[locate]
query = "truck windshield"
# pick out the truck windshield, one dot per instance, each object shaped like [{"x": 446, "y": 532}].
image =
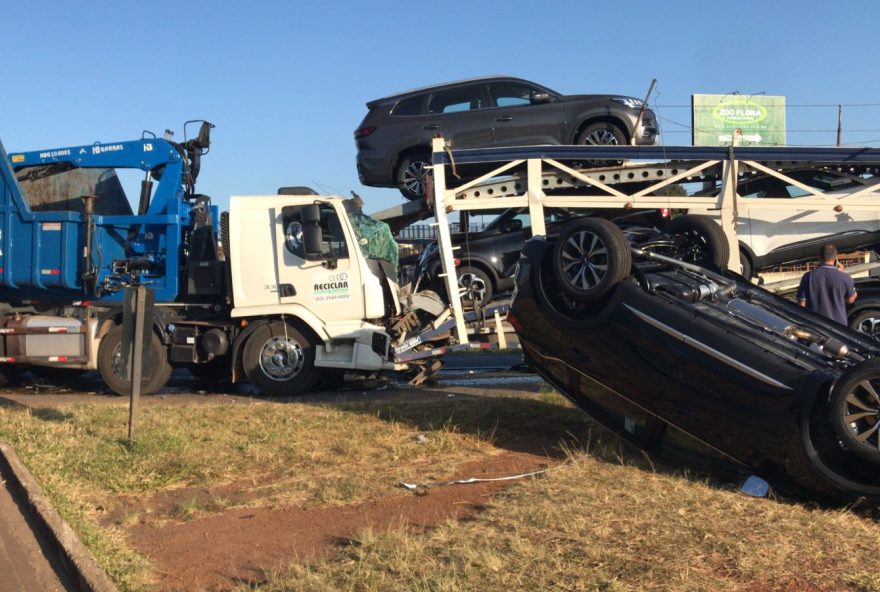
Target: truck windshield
[
  {"x": 60, "y": 188},
  {"x": 375, "y": 237}
]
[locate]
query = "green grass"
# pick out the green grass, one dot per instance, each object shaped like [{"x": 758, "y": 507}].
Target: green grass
[
  {"x": 609, "y": 522},
  {"x": 268, "y": 453}
]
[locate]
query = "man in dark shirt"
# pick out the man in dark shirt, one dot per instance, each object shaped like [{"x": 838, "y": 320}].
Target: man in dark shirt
[{"x": 827, "y": 290}]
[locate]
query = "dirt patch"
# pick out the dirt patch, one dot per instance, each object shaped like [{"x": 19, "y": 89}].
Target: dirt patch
[{"x": 216, "y": 552}]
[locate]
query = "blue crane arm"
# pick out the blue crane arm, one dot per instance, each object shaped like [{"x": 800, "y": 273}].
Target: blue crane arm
[{"x": 137, "y": 154}]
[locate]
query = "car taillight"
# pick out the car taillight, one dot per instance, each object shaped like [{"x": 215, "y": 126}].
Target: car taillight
[
  {"x": 664, "y": 212},
  {"x": 514, "y": 322},
  {"x": 456, "y": 262},
  {"x": 364, "y": 132}
]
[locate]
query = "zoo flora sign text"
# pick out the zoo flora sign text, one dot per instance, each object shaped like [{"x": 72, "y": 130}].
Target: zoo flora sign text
[{"x": 760, "y": 118}]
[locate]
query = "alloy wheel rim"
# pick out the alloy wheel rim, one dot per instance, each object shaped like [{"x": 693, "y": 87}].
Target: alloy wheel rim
[
  {"x": 281, "y": 358},
  {"x": 695, "y": 248},
  {"x": 869, "y": 326},
  {"x": 584, "y": 260},
  {"x": 601, "y": 138},
  {"x": 414, "y": 175},
  {"x": 862, "y": 414},
  {"x": 472, "y": 287}
]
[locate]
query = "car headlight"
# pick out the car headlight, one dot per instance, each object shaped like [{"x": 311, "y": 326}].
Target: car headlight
[{"x": 629, "y": 102}]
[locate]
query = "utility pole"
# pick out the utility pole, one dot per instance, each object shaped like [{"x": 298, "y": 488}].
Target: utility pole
[{"x": 839, "y": 123}]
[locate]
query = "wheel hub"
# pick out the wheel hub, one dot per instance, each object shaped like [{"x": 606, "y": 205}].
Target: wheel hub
[
  {"x": 585, "y": 260},
  {"x": 281, "y": 358}
]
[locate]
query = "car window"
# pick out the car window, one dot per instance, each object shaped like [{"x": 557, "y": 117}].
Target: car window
[
  {"x": 409, "y": 106},
  {"x": 511, "y": 94},
  {"x": 468, "y": 98}
]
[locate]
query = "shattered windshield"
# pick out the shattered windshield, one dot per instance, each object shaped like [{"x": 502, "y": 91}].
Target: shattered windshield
[{"x": 374, "y": 237}]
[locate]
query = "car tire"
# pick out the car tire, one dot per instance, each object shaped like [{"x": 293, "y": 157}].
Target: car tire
[
  {"x": 279, "y": 360},
  {"x": 748, "y": 270},
  {"x": 703, "y": 241},
  {"x": 412, "y": 174},
  {"x": 855, "y": 410},
  {"x": 602, "y": 133},
  {"x": 866, "y": 322},
  {"x": 475, "y": 284},
  {"x": 110, "y": 358},
  {"x": 590, "y": 257}
]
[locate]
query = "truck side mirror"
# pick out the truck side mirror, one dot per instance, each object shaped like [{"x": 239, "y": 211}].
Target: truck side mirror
[
  {"x": 313, "y": 236},
  {"x": 313, "y": 240},
  {"x": 311, "y": 214}
]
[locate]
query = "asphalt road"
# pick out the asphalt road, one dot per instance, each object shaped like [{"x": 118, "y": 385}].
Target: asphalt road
[{"x": 24, "y": 565}]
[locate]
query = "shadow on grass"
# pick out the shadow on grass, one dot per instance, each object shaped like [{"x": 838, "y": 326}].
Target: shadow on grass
[
  {"x": 51, "y": 414},
  {"x": 542, "y": 427}
]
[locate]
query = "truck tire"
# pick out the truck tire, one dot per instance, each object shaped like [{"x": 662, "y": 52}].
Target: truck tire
[
  {"x": 279, "y": 360},
  {"x": 110, "y": 364}
]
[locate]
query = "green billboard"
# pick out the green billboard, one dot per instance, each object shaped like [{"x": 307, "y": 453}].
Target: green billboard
[{"x": 760, "y": 118}]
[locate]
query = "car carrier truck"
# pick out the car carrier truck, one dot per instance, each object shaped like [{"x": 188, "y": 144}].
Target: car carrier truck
[{"x": 277, "y": 290}]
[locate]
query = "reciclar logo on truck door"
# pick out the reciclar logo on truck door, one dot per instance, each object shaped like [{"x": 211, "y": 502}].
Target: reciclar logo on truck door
[{"x": 330, "y": 288}]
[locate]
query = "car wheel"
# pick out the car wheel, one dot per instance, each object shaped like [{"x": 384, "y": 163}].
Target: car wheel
[
  {"x": 279, "y": 360},
  {"x": 602, "y": 133},
  {"x": 412, "y": 175},
  {"x": 110, "y": 364},
  {"x": 748, "y": 270},
  {"x": 867, "y": 322},
  {"x": 702, "y": 241},
  {"x": 475, "y": 284},
  {"x": 855, "y": 410},
  {"x": 590, "y": 257}
]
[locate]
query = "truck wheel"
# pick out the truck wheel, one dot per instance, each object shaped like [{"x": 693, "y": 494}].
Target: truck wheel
[
  {"x": 279, "y": 360},
  {"x": 855, "y": 410},
  {"x": 701, "y": 241},
  {"x": 110, "y": 364},
  {"x": 867, "y": 322},
  {"x": 412, "y": 174},
  {"x": 590, "y": 257}
]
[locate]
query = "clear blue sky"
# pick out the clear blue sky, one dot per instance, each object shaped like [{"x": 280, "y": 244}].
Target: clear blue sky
[{"x": 286, "y": 82}]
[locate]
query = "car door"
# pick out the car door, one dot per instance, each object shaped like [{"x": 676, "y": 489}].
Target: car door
[
  {"x": 848, "y": 229},
  {"x": 459, "y": 114},
  {"x": 518, "y": 121},
  {"x": 772, "y": 232}
]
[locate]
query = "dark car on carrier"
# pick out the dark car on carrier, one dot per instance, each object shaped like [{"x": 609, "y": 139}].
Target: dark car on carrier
[
  {"x": 394, "y": 139},
  {"x": 485, "y": 260},
  {"x": 698, "y": 363}
]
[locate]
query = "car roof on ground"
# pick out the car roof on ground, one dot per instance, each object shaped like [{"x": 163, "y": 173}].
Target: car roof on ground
[{"x": 448, "y": 84}]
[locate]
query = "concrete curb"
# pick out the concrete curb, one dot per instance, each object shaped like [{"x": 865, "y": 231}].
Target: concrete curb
[{"x": 74, "y": 558}]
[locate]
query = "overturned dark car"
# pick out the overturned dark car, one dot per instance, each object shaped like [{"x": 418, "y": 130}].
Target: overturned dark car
[{"x": 675, "y": 357}]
